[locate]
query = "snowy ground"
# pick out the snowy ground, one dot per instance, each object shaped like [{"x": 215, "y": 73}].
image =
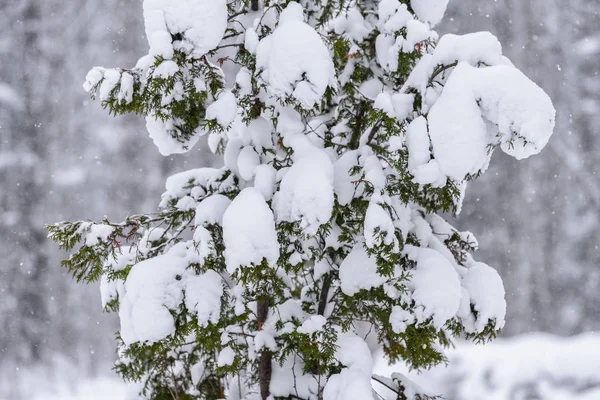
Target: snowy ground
[
  {"x": 528, "y": 367},
  {"x": 99, "y": 389}
]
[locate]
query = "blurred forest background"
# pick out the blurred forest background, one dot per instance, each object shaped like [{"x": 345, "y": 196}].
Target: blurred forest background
[{"x": 63, "y": 157}]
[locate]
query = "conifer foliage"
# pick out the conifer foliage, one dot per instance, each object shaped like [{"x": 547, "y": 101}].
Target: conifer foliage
[{"x": 344, "y": 129}]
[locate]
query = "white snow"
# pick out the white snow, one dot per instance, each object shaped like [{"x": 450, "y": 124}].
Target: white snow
[
  {"x": 429, "y": 174},
  {"x": 264, "y": 180},
  {"x": 111, "y": 80},
  {"x": 126, "y": 89},
  {"x": 395, "y": 105},
  {"x": 416, "y": 32},
  {"x": 226, "y": 357},
  {"x": 177, "y": 184},
  {"x": 383, "y": 44},
  {"x": 555, "y": 368},
  {"x": 93, "y": 77},
  {"x": 378, "y": 222},
  {"x": 419, "y": 77},
  {"x": 186, "y": 203},
  {"x": 359, "y": 271},
  {"x": 232, "y": 153},
  {"x": 486, "y": 294},
  {"x": 251, "y": 40},
  {"x": 472, "y": 48},
  {"x": 417, "y": 143},
  {"x": 224, "y": 110},
  {"x": 306, "y": 191},
  {"x": 435, "y": 286},
  {"x": 98, "y": 233},
  {"x": 312, "y": 325},
  {"x": 289, "y": 379},
  {"x": 201, "y": 22},
  {"x": 110, "y": 289},
  {"x": 259, "y": 131},
  {"x": 151, "y": 290},
  {"x": 475, "y": 104},
  {"x": 343, "y": 182},
  {"x": 122, "y": 258},
  {"x": 102, "y": 388},
  {"x": 383, "y": 102},
  {"x": 211, "y": 209},
  {"x": 203, "y": 296},
  {"x": 113, "y": 288},
  {"x": 248, "y": 160},
  {"x": 403, "y": 105},
  {"x": 354, "y": 381},
  {"x": 293, "y": 50},
  {"x": 393, "y": 16},
  {"x": 166, "y": 69},
  {"x": 400, "y": 319},
  {"x": 373, "y": 170},
  {"x": 352, "y": 25},
  {"x": 159, "y": 132},
  {"x": 264, "y": 339},
  {"x": 550, "y": 367},
  {"x": 431, "y": 11},
  {"x": 321, "y": 268},
  {"x": 249, "y": 231}
]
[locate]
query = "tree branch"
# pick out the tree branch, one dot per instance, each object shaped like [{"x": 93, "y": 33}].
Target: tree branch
[
  {"x": 374, "y": 131},
  {"x": 440, "y": 70}
]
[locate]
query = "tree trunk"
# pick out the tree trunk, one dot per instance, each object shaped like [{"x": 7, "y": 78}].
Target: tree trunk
[{"x": 266, "y": 357}]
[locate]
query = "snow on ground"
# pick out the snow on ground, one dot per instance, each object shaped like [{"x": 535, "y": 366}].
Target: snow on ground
[
  {"x": 61, "y": 380},
  {"x": 533, "y": 366},
  {"x": 99, "y": 389},
  {"x": 527, "y": 367}
]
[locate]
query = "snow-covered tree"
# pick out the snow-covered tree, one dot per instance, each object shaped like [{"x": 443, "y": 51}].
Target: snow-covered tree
[{"x": 345, "y": 129}]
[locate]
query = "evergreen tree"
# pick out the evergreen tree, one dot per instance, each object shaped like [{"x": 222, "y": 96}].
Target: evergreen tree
[{"x": 345, "y": 129}]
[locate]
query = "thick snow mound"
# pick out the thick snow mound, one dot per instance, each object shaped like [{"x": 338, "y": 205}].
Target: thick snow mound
[
  {"x": 344, "y": 182},
  {"x": 203, "y": 296},
  {"x": 177, "y": 185},
  {"x": 202, "y": 24},
  {"x": 152, "y": 289},
  {"x": 378, "y": 222},
  {"x": 295, "y": 60},
  {"x": 486, "y": 293},
  {"x": 480, "y": 108},
  {"x": 224, "y": 110},
  {"x": 435, "y": 287},
  {"x": 473, "y": 48},
  {"x": 160, "y": 133},
  {"x": 306, "y": 191},
  {"x": 354, "y": 381},
  {"x": 431, "y": 11},
  {"x": 211, "y": 210},
  {"x": 359, "y": 271},
  {"x": 249, "y": 231},
  {"x": 417, "y": 143}
]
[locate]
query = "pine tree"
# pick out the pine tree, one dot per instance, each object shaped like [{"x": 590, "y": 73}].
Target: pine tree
[{"x": 345, "y": 129}]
